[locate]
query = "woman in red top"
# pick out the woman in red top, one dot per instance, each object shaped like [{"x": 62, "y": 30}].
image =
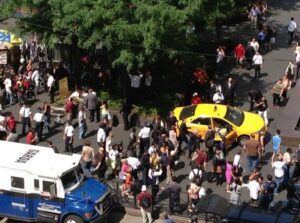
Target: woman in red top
[
  {"x": 195, "y": 99},
  {"x": 11, "y": 123},
  {"x": 239, "y": 53},
  {"x": 31, "y": 137}
]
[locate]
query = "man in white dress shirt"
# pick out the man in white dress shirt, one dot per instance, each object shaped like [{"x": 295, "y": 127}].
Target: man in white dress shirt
[
  {"x": 8, "y": 84},
  {"x": 50, "y": 86},
  {"x": 101, "y": 135},
  {"x": 39, "y": 123},
  {"x": 144, "y": 138},
  {"x": 68, "y": 137},
  {"x": 25, "y": 117},
  {"x": 292, "y": 27},
  {"x": 257, "y": 63}
]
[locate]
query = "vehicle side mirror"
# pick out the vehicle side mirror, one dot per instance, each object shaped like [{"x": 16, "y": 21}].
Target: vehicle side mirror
[{"x": 53, "y": 191}]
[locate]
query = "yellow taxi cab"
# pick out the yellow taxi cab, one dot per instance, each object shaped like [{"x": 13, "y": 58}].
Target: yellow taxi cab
[{"x": 231, "y": 124}]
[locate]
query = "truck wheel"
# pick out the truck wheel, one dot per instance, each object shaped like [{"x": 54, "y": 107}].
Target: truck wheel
[
  {"x": 243, "y": 139},
  {"x": 73, "y": 219}
]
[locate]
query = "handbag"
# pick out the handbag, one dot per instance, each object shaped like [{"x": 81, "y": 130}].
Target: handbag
[{"x": 122, "y": 176}]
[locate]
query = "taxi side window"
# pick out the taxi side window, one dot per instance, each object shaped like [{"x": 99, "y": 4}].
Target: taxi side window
[
  {"x": 46, "y": 186},
  {"x": 201, "y": 121},
  {"x": 221, "y": 123},
  {"x": 17, "y": 182}
]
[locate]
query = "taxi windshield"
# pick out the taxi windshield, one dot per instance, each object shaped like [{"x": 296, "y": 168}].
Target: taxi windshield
[
  {"x": 72, "y": 178},
  {"x": 234, "y": 116}
]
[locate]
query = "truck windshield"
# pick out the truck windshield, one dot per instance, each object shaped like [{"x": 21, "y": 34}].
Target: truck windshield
[
  {"x": 234, "y": 116},
  {"x": 72, "y": 178}
]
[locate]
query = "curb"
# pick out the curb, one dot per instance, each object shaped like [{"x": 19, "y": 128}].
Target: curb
[{"x": 137, "y": 213}]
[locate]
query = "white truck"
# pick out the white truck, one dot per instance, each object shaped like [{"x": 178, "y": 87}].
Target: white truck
[{"x": 38, "y": 185}]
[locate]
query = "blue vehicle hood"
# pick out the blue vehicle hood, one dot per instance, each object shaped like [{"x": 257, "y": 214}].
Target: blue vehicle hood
[{"x": 92, "y": 189}]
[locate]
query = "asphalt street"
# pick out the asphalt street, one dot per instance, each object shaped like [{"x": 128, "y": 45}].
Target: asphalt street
[{"x": 273, "y": 68}]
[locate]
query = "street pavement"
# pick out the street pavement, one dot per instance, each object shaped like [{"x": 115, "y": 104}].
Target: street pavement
[{"x": 273, "y": 68}]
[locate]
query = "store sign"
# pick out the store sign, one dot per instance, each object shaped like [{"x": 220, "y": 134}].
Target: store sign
[{"x": 3, "y": 57}]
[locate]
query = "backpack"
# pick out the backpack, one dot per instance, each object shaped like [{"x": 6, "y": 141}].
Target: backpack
[
  {"x": 145, "y": 202},
  {"x": 145, "y": 161},
  {"x": 197, "y": 176}
]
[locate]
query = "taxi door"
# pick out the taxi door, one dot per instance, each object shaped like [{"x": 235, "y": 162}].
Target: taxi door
[
  {"x": 200, "y": 125},
  {"x": 230, "y": 138},
  {"x": 224, "y": 130}
]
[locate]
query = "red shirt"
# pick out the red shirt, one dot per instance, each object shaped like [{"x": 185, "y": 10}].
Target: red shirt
[
  {"x": 201, "y": 158},
  {"x": 69, "y": 106},
  {"x": 30, "y": 136},
  {"x": 141, "y": 195},
  {"x": 239, "y": 51},
  {"x": 11, "y": 123},
  {"x": 196, "y": 100},
  {"x": 26, "y": 84}
]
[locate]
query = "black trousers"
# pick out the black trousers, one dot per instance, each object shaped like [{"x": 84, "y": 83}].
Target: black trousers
[
  {"x": 291, "y": 34},
  {"x": 144, "y": 144},
  {"x": 154, "y": 191},
  {"x": 39, "y": 129},
  {"x": 297, "y": 71},
  {"x": 68, "y": 144},
  {"x": 92, "y": 114},
  {"x": 256, "y": 70},
  {"x": 51, "y": 96},
  {"x": 276, "y": 99},
  {"x": 25, "y": 122},
  {"x": 125, "y": 120},
  {"x": 174, "y": 202}
]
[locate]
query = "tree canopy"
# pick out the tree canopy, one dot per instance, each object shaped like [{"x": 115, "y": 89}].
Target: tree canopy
[{"x": 134, "y": 32}]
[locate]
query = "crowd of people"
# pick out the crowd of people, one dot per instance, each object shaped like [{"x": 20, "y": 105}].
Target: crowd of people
[{"x": 149, "y": 160}]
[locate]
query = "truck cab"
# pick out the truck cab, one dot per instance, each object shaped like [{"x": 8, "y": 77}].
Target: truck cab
[{"x": 38, "y": 185}]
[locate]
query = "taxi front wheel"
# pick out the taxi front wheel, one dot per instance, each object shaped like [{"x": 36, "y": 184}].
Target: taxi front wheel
[
  {"x": 73, "y": 219},
  {"x": 242, "y": 140}
]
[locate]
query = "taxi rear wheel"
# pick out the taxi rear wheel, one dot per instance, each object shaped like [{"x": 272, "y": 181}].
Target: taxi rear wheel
[
  {"x": 73, "y": 219},
  {"x": 242, "y": 139}
]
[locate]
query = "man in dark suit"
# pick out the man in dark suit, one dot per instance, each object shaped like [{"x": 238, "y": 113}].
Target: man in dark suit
[
  {"x": 229, "y": 92},
  {"x": 91, "y": 103}
]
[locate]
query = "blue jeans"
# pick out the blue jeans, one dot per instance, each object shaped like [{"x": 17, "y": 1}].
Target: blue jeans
[
  {"x": 82, "y": 130},
  {"x": 278, "y": 183},
  {"x": 86, "y": 165},
  {"x": 47, "y": 122},
  {"x": 252, "y": 162},
  {"x": 9, "y": 98}
]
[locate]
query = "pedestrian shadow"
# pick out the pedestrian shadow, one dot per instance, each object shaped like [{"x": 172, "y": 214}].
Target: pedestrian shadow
[
  {"x": 77, "y": 149},
  {"x": 116, "y": 216},
  {"x": 263, "y": 75},
  {"x": 270, "y": 120},
  {"x": 284, "y": 102},
  {"x": 179, "y": 166},
  {"x": 181, "y": 177},
  {"x": 48, "y": 135},
  {"x": 268, "y": 156},
  {"x": 7, "y": 113},
  {"x": 91, "y": 133}
]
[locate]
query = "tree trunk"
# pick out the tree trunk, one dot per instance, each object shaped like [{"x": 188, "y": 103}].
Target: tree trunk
[{"x": 218, "y": 31}]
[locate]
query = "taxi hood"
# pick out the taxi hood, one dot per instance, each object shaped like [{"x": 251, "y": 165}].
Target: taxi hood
[{"x": 252, "y": 122}]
